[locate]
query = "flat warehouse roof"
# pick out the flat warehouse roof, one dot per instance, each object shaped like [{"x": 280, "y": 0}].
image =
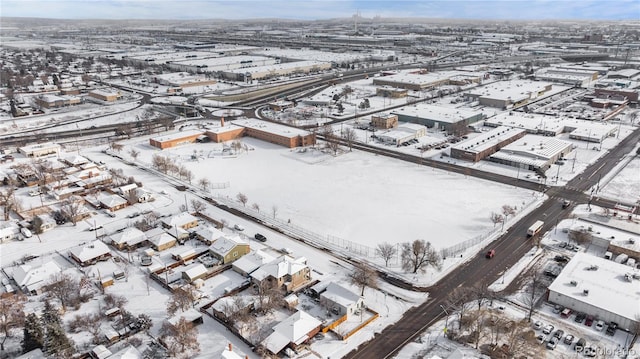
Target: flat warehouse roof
[
  {"x": 436, "y": 113},
  {"x": 178, "y": 135},
  {"x": 608, "y": 289},
  {"x": 276, "y": 129}
]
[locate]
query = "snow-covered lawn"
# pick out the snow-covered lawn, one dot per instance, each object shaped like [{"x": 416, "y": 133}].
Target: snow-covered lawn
[{"x": 625, "y": 185}]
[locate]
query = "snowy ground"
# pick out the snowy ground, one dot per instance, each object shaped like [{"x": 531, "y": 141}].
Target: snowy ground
[{"x": 623, "y": 183}]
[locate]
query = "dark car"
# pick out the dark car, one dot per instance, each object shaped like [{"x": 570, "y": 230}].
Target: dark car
[
  {"x": 588, "y": 321},
  {"x": 580, "y": 317},
  {"x": 611, "y": 328},
  {"x": 260, "y": 237},
  {"x": 561, "y": 259}
]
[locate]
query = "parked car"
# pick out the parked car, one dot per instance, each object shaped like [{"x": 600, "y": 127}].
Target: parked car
[
  {"x": 558, "y": 334},
  {"x": 611, "y": 329},
  {"x": 580, "y": 317},
  {"x": 566, "y": 313},
  {"x": 580, "y": 345},
  {"x": 557, "y": 309},
  {"x": 569, "y": 339},
  {"x": 561, "y": 258},
  {"x": 260, "y": 237},
  {"x": 490, "y": 253},
  {"x": 599, "y": 325},
  {"x": 588, "y": 321},
  {"x": 548, "y": 329},
  {"x": 541, "y": 338},
  {"x": 238, "y": 227},
  {"x": 537, "y": 325},
  {"x": 551, "y": 344}
]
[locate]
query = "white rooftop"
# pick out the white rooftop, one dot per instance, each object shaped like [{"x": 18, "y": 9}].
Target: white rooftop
[
  {"x": 35, "y": 277},
  {"x": 488, "y": 139},
  {"x": 339, "y": 294},
  {"x": 275, "y": 67},
  {"x": 607, "y": 287},
  {"x": 541, "y": 148},
  {"x": 291, "y": 330},
  {"x": 178, "y": 135},
  {"x": 90, "y": 251},
  {"x": 513, "y": 90},
  {"x": 222, "y": 246},
  {"x": 436, "y": 113},
  {"x": 281, "y": 130}
]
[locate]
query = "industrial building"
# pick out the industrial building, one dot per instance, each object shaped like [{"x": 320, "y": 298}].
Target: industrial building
[
  {"x": 227, "y": 63},
  {"x": 181, "y": 80},
  {"x": 413, "y": 81},
  {"x": 486, "y": 144},
  {"x": 53, "y": 101},
  {"x": 40, "y": 149},
  {"x": 175, "y": 139},
  {"x": 573, "y": 77},
  {"x": 508, "y": 93},
  {"x": 385, "y": 120},
  {"x": 275, "y": 133},
  {"x": 532, "y": 154},
  {"x": 442, "y": 118},
  {"x": 403, "y": 133},
  {"x": 607, "y": 290},
  {"x": 248, "y": 74},
  {"x": 105, "y": 95}
]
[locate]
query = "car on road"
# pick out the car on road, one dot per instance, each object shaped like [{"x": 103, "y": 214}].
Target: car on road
[
  {"x": 566, "y": 204},
  {"x": 490, "y": 253},
  {"x": 238, "y": 227},
  {"x": 599, "y": 325},
  {"x": 95, "y": 228},
  {"x": 569, "y": 339},
  {"x": 548, "y": 329},
  {"x": 260, "y": 237},
  {"x": 537, "y": 325}
]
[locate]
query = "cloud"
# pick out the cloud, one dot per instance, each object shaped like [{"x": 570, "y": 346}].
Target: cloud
[{"x": 322, "y": 9}]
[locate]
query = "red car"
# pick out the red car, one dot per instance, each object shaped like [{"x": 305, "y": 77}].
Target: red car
[
  {"x": 588, "y": 321},
  {"x": 491, "y": 253}
]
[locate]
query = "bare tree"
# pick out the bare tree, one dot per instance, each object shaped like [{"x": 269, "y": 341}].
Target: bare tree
[
  {"x": 496, "y": 218},
  {"x": 242, "y": 198},
  {"x": 198, "y": 206},
  {"x": 386, "y": 251},
  {"x": 331, "y": 142},
  {"x": 181, "y": 338},
  {"x": 134, "y": 154},
  {"x": 256, "y": 207},
  {"x": 274, "y": 211},
  {"x": 350, "y": 136},
  {"x": 269, "y": 296},
  {"x": 181, "y": 299},
  {"x": 11, "y": 316},
  {"x": 72, "y": 208},
  {"x": 419, "y": 255},
  {"x": 520, "y": 340},
  {"x": 62, "y": 287},
  {"x": 459, "y": 301},
  {"x": 117, "y": 147},
  {"x": 7, "y": 201},
  {"x": 581, "y": 237},
  {"x": 204, "y": 183},
  {"x": 363, "y": 276},
  {"x": 535, "y": 289},
  {"x": 114, "y": 301}
]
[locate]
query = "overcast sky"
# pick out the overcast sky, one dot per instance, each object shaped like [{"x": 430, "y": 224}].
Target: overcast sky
[{"x": 322, "y": 9}]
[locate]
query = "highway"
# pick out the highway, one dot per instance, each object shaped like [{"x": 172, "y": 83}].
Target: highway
[{"x": 510, "y": 248}]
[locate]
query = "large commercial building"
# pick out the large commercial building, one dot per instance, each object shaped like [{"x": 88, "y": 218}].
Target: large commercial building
[
  {"x": 508, "y": 93},
  {"x": 573, "y": 77},
  {"x": 442, "y": 118},
  {"x": 532, "y": 154},
  {"x": 40, "y": 149},
  {"x": 53, "y": 101},
  {"x": 599, "y": 287},
  {"x": 105, "y": 95},
  {"x": 227, "y": 63},
  {"x": 486, "y": 144},
  {"x": 275, "y": 133},
  {"x": 274, "y": 70}
]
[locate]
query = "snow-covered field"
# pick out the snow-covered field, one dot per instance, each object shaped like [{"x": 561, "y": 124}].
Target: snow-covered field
[
  {"x": 356, "y": 196},
  {"x": 625, "y": 185}
]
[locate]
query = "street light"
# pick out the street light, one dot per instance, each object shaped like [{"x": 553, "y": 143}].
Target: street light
[{"x": 446, "y": 322}]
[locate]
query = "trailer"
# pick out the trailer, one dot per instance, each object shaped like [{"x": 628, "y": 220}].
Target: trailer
[{"x": 535, "y": 228}]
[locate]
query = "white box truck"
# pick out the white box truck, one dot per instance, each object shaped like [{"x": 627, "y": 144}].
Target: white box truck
[{"x": 535, "y": 228}]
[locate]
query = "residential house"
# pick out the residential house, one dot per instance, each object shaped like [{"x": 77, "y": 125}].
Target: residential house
[
  {"x": 228, "y": 249},
  {"x": 340, "y": 300},
  {"x": 292, "y": 332},
  {"x": 284, "y": 272},
  {"x": 90, "y": 253},
  {"x": 194, "y": 272},
  {"x": 75, "y": 160},
  {"x": 128, "y": 238},
  {"x": 30, "y": 279},
  {"x": 252, "y": 261},
  {"x": 161, "y": 241},
  {"x": 112, "y": 202},
  {"x": 209, "y": 234},
  {"x": 184, "y": 220},
  {"x": 8, "y": 230}
]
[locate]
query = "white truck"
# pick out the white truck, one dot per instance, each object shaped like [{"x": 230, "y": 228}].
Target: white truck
[{"x": 535, "y": 228}]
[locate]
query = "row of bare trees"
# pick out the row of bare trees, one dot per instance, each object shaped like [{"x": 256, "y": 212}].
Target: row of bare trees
[
  {"x": 507, "y": 211},
  {"x": 416, "y": 256},
  {"x": 168, "y": 166}
]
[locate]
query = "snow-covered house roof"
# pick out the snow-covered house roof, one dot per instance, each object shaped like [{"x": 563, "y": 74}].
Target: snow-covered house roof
[
  {"x": 89, "y": 252},
  {"x": 33, "y": 278},
  {"x": 75, "y": 160},
  {"x": 209, "y": 234},
  {"x": 224, "y": 245},
  {"x": 294, "y": 329},
  {"x": 179, "y": 220},
  {"x": 340, "y": 295},
  {"x": 195, "y": 271},
  {"x": 252, "y": 261},
  {"x": 126, "y": 188},
  {"x": 283, "y": 265},
  {"x": 191, "y": 315},
  {"x": 129, "y": 352},
  {"x": 162, "y": 239},
  {"x": 130, "y": 236},
  {"x": 111, "y": 200}
]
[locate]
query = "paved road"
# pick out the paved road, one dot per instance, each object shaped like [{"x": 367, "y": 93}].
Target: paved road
[{"x": 510, "y": 248}]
